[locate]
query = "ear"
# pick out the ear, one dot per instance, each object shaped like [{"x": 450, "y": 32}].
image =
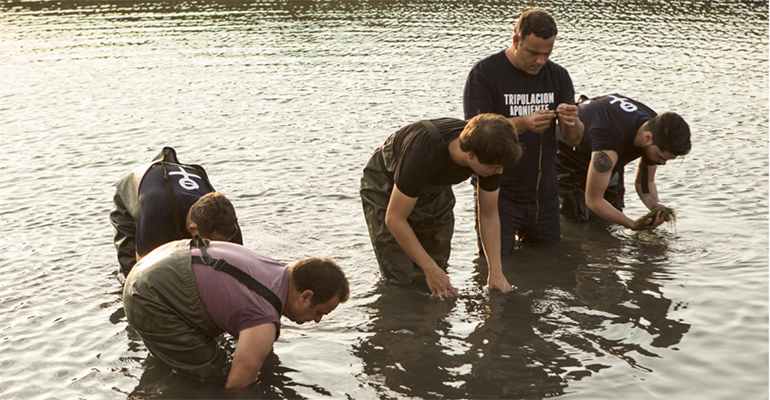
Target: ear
[
  {"x": 516, "y": 41},
  {"x": 306, "y": 296},
  {"x": 647, "y": 138},
  {"x": 193, "y": 229},
  {"x": 471, "y": 156}
]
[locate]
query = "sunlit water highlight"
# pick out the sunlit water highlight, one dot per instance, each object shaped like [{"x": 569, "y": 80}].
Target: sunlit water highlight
[{"x": 283, "y": 102}]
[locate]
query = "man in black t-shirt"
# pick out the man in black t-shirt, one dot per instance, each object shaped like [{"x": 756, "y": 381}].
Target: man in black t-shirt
[
  {"x": 408, "y": 200},
  {"x": 163, "y": 201},
  {"x": 521, "y": 83},
  {"x": 618, "y": 130}
]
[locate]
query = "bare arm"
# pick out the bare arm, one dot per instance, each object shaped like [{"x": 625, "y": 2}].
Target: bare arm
[
  {"x": 569, "y": 124},
  {"x": 599, "y": 175},
  {"x": 489, "y": 226},
  {"x": 399, "y": 208},
  {"x": 650, "y": 198},
  {"x": 254, "y": 344}
]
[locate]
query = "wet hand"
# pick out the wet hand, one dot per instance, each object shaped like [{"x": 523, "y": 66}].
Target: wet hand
[
  {"x": 498, "y": 281},
  {"x": 567, "y": 113},
  {"x": 438, "y": 282},
  {"x": 650, "y": 223}
]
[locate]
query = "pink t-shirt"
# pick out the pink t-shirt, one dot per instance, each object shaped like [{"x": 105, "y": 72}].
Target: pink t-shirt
[{"x": 230, "y": 304}]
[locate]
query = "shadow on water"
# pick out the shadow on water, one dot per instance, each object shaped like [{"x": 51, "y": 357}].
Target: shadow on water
[
  {"x": 159, "y": 381},
  {"x": 592, "y": 302}
]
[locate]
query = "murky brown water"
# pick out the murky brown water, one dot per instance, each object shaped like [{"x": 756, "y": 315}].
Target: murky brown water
[{"x": 283, "y": 103}]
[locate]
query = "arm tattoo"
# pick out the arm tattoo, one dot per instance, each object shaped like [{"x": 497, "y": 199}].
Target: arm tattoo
[{"x": 602, "y": 162}]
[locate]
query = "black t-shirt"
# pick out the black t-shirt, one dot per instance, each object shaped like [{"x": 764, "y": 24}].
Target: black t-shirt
[
  {"x": 422, "y": 163},
  {"x": 155, "y": 223},
  {"x": 495, "y": 85},
  {"x": 601, "y": 133}
]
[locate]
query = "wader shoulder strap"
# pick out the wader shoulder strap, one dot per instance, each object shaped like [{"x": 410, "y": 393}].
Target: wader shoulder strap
[
  {"x": 435, "y": 135},
  {"x": 242, "y": 277}
]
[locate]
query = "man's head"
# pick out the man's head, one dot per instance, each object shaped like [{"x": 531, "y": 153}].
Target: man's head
[
  {"x": 533, "y": 39},
  {"x": 317, "y": 286},
  {"x": 212, "y": 217},
  {"x": 491, "y": 141},
  {"x": 666, "y": 136}
]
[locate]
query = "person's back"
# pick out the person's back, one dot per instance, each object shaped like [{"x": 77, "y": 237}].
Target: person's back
[
  {"x": 152, "y": 203},
  {"x": 184, "y": 294},
  {"x": 231, "y": 305}
]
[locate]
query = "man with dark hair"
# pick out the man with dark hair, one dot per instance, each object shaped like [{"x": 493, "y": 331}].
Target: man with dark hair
[
  {"x": 618, "y": 130},
  {"x": 406, "y": 191},
  {"x": 153, "y": 205},
  {"x": 535, "y": 94},
  {"x": 182, "y": 296},
  {"x": 213, "y": 217}
]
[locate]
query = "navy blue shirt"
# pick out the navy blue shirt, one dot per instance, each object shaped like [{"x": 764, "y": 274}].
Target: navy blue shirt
[
  {"x": 602, "y": 133},
  {"x": 495, "y": 85},
  {"x": 155, "y": 223}
]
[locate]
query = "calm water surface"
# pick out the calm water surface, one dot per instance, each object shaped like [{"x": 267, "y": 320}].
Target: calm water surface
[{"x": 283, "y": 102}]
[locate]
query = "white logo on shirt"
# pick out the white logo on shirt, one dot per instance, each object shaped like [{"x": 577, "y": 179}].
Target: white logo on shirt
[
  {"x": 186, "y": 182},
  {"x": 625, "y": 104}
]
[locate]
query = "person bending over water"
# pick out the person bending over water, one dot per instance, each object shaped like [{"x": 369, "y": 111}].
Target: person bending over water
[
  {"x": 408, "y": 200},
  {"x": 618, "y": 130},
  {"x": 184, "y": 294},
  {"x": 154, "y": 204}
]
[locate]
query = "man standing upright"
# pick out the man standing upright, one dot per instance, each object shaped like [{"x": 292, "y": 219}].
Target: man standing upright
[{"x": 535, "y": 94}]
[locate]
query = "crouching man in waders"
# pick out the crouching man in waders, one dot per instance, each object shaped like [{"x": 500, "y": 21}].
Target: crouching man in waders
[
  {"x": 183, "y": 295},
  {"x": 153, "y": 205},
  {"x": 618, "y": 130},
  {"x": 408, "y": 200}
]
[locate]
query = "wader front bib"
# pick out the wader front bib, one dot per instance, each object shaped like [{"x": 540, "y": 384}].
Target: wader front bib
[
  {"x": 432, "y": 218},
  {"x": 162, "y": 303}
]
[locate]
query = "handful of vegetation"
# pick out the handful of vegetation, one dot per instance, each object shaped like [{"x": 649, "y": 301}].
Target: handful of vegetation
[{"x": 669, "y": 215}]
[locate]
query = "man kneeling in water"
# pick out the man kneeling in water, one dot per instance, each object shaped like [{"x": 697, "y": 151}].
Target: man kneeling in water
[{"x": 186, "y": 293}]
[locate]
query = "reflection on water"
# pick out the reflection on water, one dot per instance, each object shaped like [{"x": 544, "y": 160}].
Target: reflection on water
[
  {"x": 579, "y": 308},
  {"x": 283, "y": 101}
]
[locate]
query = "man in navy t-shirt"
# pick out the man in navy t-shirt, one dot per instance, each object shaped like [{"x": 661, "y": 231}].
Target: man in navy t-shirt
[
  {"x": 164, "y": 201},
  {"x": 618, "y": 130},
  {"x": 535, "y": 94}
]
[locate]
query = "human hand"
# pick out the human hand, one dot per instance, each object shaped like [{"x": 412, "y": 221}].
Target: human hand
[
  {"x": 648, "y": 224},
  {"x": 498, "y": 281},
  {"x": 567, "y": 114},
  {"x": 438, "y": 283},
  {"x": 538, "y": 121}
]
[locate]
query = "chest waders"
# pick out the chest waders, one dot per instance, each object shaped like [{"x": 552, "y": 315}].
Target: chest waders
[
  {"x": 163, "y": 305},
  {"x": 431, "y": 219},
  {"x": 126, "y": 206}
]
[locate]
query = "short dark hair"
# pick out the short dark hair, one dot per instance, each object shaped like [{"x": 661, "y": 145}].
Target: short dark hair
[
  {"x": 214, "y": 213},
  {"x": 670, "y": 133},
  {"x": 492, "y": 139},
  {"x": 535, "y": 21},
  {"x": 323, "y": 276}
]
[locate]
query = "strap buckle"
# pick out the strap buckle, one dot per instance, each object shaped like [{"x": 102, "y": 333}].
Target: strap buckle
[{"x": 218, "y": 264}]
